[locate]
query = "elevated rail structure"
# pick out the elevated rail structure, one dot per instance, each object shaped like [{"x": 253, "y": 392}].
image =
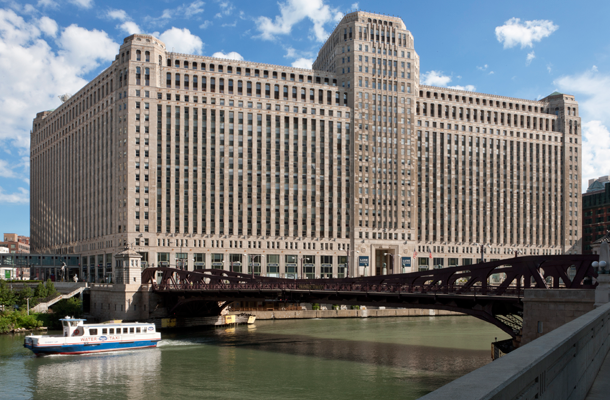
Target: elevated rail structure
[{"x": 465, "y": 289}]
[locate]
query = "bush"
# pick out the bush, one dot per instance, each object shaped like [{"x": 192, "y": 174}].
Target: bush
[
  {"x": 70, "y": 307},
  {"x": 40, "y": 291},
  {"x": 315, "y": 306},
  {"x": 7, "y": 296},
  {"x": 11, "y": 320},
  {"x": 50, "y": 288},
  {"x": 335, "y": 306},
  {"x": 355, "y": 307}
]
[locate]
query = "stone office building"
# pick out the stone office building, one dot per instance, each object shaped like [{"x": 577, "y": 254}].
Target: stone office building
[{"x": 351, "y": 168}]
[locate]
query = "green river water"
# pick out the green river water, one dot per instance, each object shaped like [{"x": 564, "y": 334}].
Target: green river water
[{"x": 393, "y": 358}]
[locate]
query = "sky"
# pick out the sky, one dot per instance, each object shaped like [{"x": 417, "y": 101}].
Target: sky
[{"x": 522, "y": 49}]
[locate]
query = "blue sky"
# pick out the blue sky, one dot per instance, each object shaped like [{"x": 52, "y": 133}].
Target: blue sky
[{"x": 522, "y": 49}]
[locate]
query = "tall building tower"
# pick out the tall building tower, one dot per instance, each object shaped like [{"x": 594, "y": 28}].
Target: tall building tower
[{"x": 351, "y": 168}]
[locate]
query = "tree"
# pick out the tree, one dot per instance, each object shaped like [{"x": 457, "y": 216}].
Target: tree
[
  {"x": 7, "y": 296},
  {"x": 50, "y": 288},
  {"x": 41, "y": 291},
  {"x": 23, "y": 295}
]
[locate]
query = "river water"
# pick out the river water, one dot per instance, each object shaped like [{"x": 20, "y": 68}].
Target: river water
[{"x": 295, "y": 359}]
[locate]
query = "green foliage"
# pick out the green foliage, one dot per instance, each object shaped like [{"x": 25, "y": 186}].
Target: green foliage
[
  {"x": 70, "y": 307},
  {"x": 355, "y": 307},
  {"x": 10, "y": 320},
  {"x": 50, "y": 288},
  {"x": 315, "y": 306},
  {"x": 335, "y": 306},
  {"x": 7, "y": 296},
  {"x": 41, "y": 291},
  {"x": 23, "y": 295}
]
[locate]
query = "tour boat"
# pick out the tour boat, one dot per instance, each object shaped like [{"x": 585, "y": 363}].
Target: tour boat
[{"x": 79, "y": 338}]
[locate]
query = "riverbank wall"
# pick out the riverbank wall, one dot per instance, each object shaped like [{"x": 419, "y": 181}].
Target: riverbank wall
[{"x": 368, "y": 313}]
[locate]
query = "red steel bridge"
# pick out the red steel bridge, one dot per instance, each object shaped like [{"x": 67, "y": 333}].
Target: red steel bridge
[{"x": 491, "y": 291}]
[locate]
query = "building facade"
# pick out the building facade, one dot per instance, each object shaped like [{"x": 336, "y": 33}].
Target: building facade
[
  {"x": 16, "y": 243},
  {"x": 596, "y": 213},
  {"x": 351, "y": 168}
]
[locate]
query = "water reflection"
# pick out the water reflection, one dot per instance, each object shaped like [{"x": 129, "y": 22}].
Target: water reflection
[
  {"x": 131, "y": 374},
  {"x": 338, "y": 359}
]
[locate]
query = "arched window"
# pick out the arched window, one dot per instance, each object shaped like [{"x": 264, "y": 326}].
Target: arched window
[
  {"x": 195, "y": 82},
  {"x": 169, "y": 62},
  {"x": 177, "y": 81},
  {"x": 186, "y": 64},
  {"x": 177, "y": 64},
  {"x": 203, "y": 84},
  {"x": 267, "y": 91},
  {"x": 230, "y": 86},
  {"x": 147, "y": 76},
  {"x": 556, "y": 110},
  {"x": 168, "y": 80},
  {"x": 221, "y": 85},
  {"x": 203, "y": 66},
  {"x": 160, "y": 61},
  {"x": 186, "y": 81},
  {"x": 285, "y": 92},
  {"x": 212, "y": 85},
  {"x": 194, "y": 65},
  {"x": 211, "y": 67},
  {"x": 240, "y": 87},
  {"x": 276, "y": 92},
  {"x": 147, "y": 55},
  {"x": 137, "y": 75},
  {"x": 138, "y": 55}
]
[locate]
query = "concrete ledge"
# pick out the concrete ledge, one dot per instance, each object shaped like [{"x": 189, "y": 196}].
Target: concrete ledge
[
  {"x": 310, "y": 314},
  {"x": 560, "y": 365}
]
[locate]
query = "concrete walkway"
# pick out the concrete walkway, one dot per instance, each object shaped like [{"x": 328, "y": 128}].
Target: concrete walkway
[{"x": 601, "y": 386}]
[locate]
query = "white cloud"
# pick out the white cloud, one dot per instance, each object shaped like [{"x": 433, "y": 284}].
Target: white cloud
[
  {"x": 231, "y": 55},
  {"x": 206, "y": 24},
  {"x": 592, "y": 91},
  {"x": 483, "y": 68},
  {"x": 305, "y": 63},
  {"x": 33, "y": 74},
  {"x": 6, "y": 171},
  {"x": 47, "y": 3},
  {"x": 468, "y": 88},
  {"x": 121, "y": 15},
  {"x": 184, "y": 11},
  {"x": 181, "y": 41},
  {"x": 22, "y": 196},
  {"x": 514, "y": 33},
  {"x": 294, "y": 11},
  {"x": 436, "y": 78},
  {"x": 226, "y": 7},
  {"x": 48, "y": 26},
  {"x": 355, "y": 6},
  {"x": 130, "y": 27},
  {"x": 231, "y": 25},
  {"x": 530, "y": 57},
  {"x": 595, "y": 151},
  {"x": 82, "y": 3}
]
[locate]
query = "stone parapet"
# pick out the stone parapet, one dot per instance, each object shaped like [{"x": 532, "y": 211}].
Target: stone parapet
[
  {"x": 545, "y": 310},
  {"x": 310, "y": 314}
]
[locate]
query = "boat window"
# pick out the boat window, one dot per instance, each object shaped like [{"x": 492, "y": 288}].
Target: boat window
[
  {"x": 138, "y": 329},
  {"x": 104, "y": 331},
  {"x": 74, "y": 323},
  {"x": 93, "y": 331},
  {"x": 125, "y": 330},
  {"x": 131, "y": 330},
  {"x": 111, "y": 330}
]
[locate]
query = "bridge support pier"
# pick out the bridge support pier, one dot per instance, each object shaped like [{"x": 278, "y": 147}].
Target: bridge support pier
[
  {"x": 130, "y": 302},
  {"x": 545, "y": 310}
]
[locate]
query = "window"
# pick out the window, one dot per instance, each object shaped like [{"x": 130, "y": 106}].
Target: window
[{"x": 92, "y": 331}]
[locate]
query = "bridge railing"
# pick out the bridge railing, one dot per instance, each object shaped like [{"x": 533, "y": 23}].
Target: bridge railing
[{"x": 518, "y": 274}]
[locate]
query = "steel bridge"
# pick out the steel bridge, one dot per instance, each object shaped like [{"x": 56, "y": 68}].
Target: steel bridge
[{"x": 465, "y": 289}]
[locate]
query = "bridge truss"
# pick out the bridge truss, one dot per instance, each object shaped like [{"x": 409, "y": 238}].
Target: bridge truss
[{"x": 490, "y": 291}]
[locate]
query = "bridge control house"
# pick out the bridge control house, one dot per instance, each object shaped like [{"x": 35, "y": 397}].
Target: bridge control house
[{"x": 351, "y": 168}]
